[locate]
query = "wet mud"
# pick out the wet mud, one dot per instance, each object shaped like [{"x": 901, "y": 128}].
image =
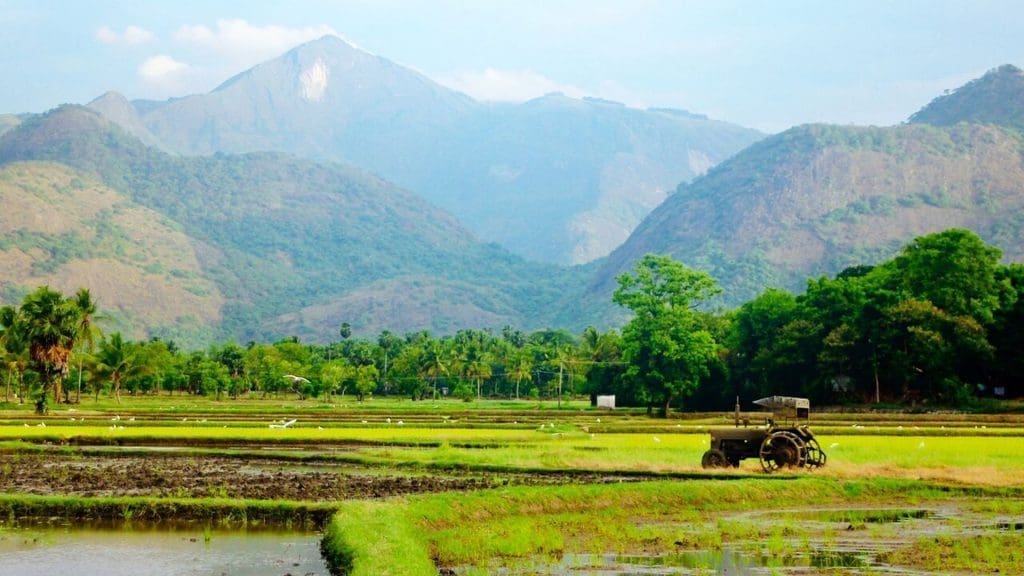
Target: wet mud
[{"x": 169, "y": 475}]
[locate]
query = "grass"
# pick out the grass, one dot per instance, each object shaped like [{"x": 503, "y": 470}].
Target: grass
[
  {"x": 985, "y": 553},
  {"x": 513, "y": 525},
  {"x": 886, "y": 464},
  {"x": 964, "y": 458},
  {"x": 224, "y": 511}
]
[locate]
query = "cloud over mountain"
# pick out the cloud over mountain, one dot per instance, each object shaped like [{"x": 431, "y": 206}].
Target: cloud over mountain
[
  {"x": 245, "y": 43},
  {"x": 161, "y": 69}
]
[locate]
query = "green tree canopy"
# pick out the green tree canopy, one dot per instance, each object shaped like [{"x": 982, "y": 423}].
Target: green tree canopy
[{"x": 666, "y": 349}]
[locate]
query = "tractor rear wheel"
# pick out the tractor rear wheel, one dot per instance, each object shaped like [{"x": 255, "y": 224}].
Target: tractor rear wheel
[
  {"x": 815, "y": 455},
  {"x": 714, "y": 459}
]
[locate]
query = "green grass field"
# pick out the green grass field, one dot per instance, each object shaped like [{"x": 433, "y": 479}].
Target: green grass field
[{"x": 668, "y": 505}]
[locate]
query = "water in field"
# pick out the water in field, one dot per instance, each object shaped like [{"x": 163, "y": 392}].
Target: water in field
[{"x": 158, "y": 552}]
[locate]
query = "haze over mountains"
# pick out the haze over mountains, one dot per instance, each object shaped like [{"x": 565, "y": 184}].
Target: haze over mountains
[
  {"x": 555, "y": 179},
  {"x": 268, "y": 207}
]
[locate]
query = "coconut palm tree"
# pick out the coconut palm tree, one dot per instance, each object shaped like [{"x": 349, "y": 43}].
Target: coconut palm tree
[
  {"x": 12, "y": 350},
  {"x": 115, "y": 361},
  {"x": 434, "y": 362},
  {"x": 87, "y": 331},
  {"x": 520, "y": 367}
]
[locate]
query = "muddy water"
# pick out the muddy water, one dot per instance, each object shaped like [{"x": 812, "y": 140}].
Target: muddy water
[{"x": 158, "y": 552}]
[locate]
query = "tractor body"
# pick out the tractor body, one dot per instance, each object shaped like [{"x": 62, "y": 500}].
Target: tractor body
[{"x": 786, "y": 444}]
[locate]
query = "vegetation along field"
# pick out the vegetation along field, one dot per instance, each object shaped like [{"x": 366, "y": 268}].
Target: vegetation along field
[{"x": 484, "y": 453}]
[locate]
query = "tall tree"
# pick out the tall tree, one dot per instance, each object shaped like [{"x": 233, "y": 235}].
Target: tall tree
[
  {"x": 50, "y": 323},
  {"x": 520, "y": 367},
  {"x": 115, "y": 360},
  {"x": 667, "y": 351},
  {"x": 88, "y": 331},
  {"x": 954, "y": 270},
  {"x": 14, "y": 350}
]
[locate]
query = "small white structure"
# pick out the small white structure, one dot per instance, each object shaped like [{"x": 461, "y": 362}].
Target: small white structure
[{"x": 606, "y": 402}]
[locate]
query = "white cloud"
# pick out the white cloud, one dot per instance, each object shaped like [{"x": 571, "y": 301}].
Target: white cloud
[
  {"x": 161, "y": 69},
  {"x": 245, "y": 43},
  {"x": 496, "y": 85},
  {"x": 132, "y": 35}
]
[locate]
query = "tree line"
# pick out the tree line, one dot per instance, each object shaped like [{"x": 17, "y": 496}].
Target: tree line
[{"x": 939, "y": 323}]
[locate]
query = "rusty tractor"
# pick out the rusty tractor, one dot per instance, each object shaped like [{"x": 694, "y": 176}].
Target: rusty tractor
[{"x": 784, "y": 441}]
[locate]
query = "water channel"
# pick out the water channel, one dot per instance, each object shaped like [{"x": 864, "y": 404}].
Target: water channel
[{"x": 158, "y": 551}]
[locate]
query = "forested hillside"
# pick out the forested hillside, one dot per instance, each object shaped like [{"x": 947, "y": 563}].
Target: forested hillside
[
  {"x": 995, "y": 98},
  {"x": 818, "y": 198},
  {"x": 288, "y": 246}
]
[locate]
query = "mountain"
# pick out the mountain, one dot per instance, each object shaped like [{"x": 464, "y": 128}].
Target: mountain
[
  {"x": 116, "y": 108},
  {"x": 66, "y": 229},
  {"x": 8, "y": 121},
  {"x": 818, "y": 198},
  {"x": 555, "y": 179},
  {"x": 252, "y": 246},
  {"x": 995, "y": 98}
]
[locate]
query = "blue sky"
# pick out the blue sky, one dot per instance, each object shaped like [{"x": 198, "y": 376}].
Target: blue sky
[{"x": 768, "y": 65}]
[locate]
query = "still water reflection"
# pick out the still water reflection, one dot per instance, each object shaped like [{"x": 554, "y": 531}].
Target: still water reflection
[{"x": 163, "y": 552}]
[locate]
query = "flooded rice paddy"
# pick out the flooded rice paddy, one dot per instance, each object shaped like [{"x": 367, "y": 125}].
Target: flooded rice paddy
[
  {"x": 158, "y": 551},
  {"x": 840, "y": 541}
]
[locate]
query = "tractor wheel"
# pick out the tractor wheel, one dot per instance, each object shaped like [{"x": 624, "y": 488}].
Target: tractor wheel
[
  {"x": 714, "y": 459},
  {"x": 782, "y": 449},
  {"x": 815, "y": 455}
]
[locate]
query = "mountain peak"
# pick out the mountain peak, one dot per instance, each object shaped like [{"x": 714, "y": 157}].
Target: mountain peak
[
  {"x": 116, "y": 108},
  {"x": 995, "y": 98}
]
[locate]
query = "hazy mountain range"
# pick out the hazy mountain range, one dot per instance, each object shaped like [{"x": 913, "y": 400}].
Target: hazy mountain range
[
  {"x": 255, "y": 246},
  {"x": 555, "y": 179},
  {"x": 183, "y": 230}
]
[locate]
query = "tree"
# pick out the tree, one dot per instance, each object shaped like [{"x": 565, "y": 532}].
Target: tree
[
  {"x": 390, "y": 344},
  {"x": 667, "y": 351},
  {"x": 232, "y": 357},
  {"x": 365, "y": 380},
  {"x": 604, "y": 376},
  {"x": 473, "y": 357},
  {"x": 434, "y": 362},
  {"x": 1007, "y": 334},
  {"x": 334, "y": 375},
  {"x": 50, "y": 325},
  {"x": 87, "y": 330},
  {"x": 520, "y": 367},
  {"x": 755, "y": 330},
  {"x": 115, "y": 360},
  {"x": 14, "y": 350},
  {"x": 954, "y": 270}
]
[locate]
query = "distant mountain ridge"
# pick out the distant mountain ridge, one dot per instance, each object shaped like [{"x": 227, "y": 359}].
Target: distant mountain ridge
[
  {"x": 276, "y": 242},
  {"x": 554, "y": 179},
  {"x": 818, "y": 198},
  {"x": 995, "y": 98}
]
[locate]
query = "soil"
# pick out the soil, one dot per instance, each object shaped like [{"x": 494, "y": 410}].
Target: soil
[{"x": 187, "y": 476}]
